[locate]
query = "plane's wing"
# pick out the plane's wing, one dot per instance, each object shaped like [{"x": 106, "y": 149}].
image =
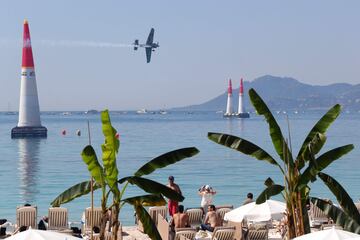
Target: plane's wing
[
  {"x": 148, "y": 54},
  {"x": 150, "y": 39}
]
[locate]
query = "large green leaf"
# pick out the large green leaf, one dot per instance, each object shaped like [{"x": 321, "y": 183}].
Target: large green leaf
[
  {"x": 320, "y": 127},
  {"x": 146, "y": 200},
  {"x": 322, "y": 162},
  {"x": 242, "y": 146},
  {"x": 341, "y": 195},
  {"x": 311, "y": 149},
  {"x": 337, "y": 215},
  {"x": 148, "y": 224},
  {"x": 165, "y": 160},
  {"x": 270, "y": 191},
  {"x": 269, "y": 182},
  {"x": 110, "y": 149},
  {"x": 73, "y": 192},
  {"x": 151, "y": 186},
  {"x": 96, "y": 171},
  {"x": 275, "y": 131}
]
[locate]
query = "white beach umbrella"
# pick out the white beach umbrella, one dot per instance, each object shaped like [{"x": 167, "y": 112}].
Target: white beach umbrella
[
  {"x": 34, "y": 234},
  {"x": 329, "y": 234},
  {"x": 270, "y": 209}
]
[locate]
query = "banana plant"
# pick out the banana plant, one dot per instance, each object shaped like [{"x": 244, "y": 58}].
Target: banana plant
[
  {"x": 106, "y": 179},
  {"x": 348, "y": 215},
  {"x": 295, "y": 190}
]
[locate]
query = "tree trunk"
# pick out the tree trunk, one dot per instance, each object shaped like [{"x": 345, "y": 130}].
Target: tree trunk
[
  {"x": 291, "y": 232},
  {"x": 104, "y": 219},
  {"x": 115, "y": 221}
]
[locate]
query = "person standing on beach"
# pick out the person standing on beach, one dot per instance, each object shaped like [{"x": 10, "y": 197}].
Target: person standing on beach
[
  {"x": 206, "y": 192},
  {"x": 173, "y": 205}
]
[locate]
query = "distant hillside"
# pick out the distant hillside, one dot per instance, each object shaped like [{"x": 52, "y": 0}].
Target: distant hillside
[{"x": 283, "y": 93}]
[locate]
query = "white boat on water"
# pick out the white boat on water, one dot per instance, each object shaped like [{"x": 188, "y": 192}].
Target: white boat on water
[
  {"x": 91, "y": 111},
  {"x": 142, "y": 111}
]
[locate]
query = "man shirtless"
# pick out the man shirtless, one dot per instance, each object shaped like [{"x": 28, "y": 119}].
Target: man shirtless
[
  {"x": 173, "y": 204},
  {"x": 180, "y": 219},
  {"x": 212, "y": 219}
]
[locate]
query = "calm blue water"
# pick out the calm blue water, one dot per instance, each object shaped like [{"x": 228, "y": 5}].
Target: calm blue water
[{"x": 36, "y": 171}]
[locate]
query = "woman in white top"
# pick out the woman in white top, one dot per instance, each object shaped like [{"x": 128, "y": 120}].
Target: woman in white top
[{"x": 206, "y": 192}]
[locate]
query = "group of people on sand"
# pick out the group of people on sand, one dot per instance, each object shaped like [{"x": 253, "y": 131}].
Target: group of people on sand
[
  {"x": 206, "y": 192},
  {"x": 180, "y": 219}
]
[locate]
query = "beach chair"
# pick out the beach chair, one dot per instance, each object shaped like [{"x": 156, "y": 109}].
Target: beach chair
[
  {"x": 58, "y": 218},
  {"x": 97, "y": 215},
  {"x": 153, "y": 212},
  {"x": 163, "y": 227},
  {"x": 221, "y": 212},
  {"x": 195, "y": 216},
  {"x": 317, "y": 216},
  {"x": 225, "y": 206},
  {"x": 184, "y": 238},
  {"x": 257, "y": 234},
  {"x": 26, "y": 216},
  {"x": 185, "y": 232},
  {"x": 223, "y": 233}
]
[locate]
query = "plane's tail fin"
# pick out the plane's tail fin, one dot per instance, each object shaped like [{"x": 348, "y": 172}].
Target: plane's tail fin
[{"x": 136, "y": 44}]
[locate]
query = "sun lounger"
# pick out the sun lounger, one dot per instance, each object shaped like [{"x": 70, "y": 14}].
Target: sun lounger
[
  {"x": 223, "y": 233},
  {"x": 195, "y": 216},
  {"x": 58, "y": 218},
  {"x": 185, "y": 232},
  {"x": 153, "y": 212},
  {"x": 26, "y": 216},
  {"x": 222, "y": 210},
  {"x": 317, "y": 216},
  {"x": 163, "y": 227},
  {"x": 257, "y": 234},
  {"x": 238, "y": 229},
  {"x": 97, "y": 215}
]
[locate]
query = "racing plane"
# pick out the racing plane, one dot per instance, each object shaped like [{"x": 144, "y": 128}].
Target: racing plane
[{"x": 149, "y": 46}]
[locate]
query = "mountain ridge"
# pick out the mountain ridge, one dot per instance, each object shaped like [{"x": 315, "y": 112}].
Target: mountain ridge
[{"x": 287, "y": 93}]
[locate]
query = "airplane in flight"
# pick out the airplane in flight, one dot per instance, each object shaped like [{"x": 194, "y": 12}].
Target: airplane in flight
[{"x": 149, "y": 45}]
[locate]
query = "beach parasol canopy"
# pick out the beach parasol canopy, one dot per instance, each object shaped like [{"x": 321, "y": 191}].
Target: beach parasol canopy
[
  {"x": 34, "y": 234},
  {"x": 329, "y": 234},
  {"x": 270, "y": 209}
]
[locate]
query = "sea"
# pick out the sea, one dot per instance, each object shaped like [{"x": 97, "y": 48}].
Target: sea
[{"x": 36, "y": 171}]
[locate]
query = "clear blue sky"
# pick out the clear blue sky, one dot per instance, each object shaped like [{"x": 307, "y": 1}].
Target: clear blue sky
[{"x": 202, "y": 44}]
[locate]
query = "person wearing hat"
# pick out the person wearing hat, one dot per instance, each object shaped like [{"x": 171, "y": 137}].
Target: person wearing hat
[
  {"x": 206, "y": 192},
  {"x": 173, "y": 205}
]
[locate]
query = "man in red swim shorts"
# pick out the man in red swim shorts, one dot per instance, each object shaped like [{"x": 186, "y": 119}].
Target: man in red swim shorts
[{"x": 173, "y": 204}]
